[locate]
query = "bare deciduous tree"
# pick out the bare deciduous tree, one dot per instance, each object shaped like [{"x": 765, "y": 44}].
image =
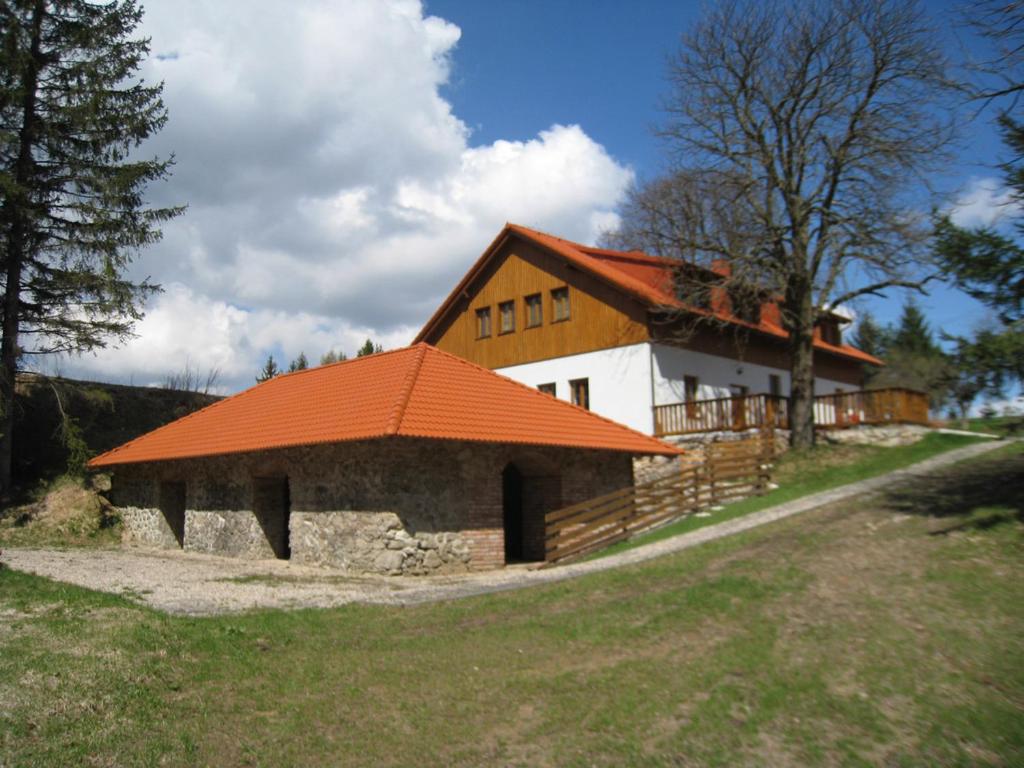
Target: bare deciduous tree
[
  {"x": 817, "y": 121},
  {"x": 189, "y": 379}
]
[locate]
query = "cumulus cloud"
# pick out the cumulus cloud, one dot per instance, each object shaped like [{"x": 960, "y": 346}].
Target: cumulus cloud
[
  {"x": 984, "y": 203},
  {"x": 332, "y": 193}
]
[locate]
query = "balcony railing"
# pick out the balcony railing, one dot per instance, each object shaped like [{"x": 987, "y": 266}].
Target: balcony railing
[{"x": 838, "y": 411}]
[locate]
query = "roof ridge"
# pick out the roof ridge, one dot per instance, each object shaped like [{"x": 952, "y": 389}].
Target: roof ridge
[
  {"x": 536, "y": 392},
  {"x": 394, "y": 422}
]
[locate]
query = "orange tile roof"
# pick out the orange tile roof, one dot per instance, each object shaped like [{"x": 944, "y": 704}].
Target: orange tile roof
[
  {"x": 650, "y": 279},
  {"x": 418, "y": 391}
]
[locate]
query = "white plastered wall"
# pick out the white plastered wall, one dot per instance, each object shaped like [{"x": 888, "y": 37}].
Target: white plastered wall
[
  {"x": 715, "y": 375},
  {"x": 619, "y": 381}
]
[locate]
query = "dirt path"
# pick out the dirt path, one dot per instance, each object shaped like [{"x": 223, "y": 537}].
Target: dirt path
[{"x": 189, "y": 583}]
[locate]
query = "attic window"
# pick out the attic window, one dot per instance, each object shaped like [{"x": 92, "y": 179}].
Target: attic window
[
  {"x": 559, "y": 304},
  {"x": 483, "y": 322},
  {"x": 830, "y": 332},
  {"x": 548, "y": 389},
  {"x": 534, "y": 312},
  {"x": 746, "y": 305},
  {"x": 507, "y": 316},
  {"x": 694, "y": 293}
]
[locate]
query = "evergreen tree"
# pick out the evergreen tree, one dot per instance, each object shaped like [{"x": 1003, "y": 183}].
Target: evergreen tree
[
  {"x": 332, "y": 357},
  {"x": 913, "y": 359},
  {"x": 983, "y": 262},
  {"x": 72, "y": 213},
  {"x": 369, "y": 348},
  {"x": 873, "y": 339},
  {"x": 913, "y": 336},
  {"x": 300, "y": 363},
  {"x": 270, "y": 370},
  {"x": 870, "y": 337}
]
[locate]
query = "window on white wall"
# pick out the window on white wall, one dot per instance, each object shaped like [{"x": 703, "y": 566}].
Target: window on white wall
[
  {"x": 548, "y": 389},
  {"x": 774, "y": 385},
  {"x": 580, "y": 389}
]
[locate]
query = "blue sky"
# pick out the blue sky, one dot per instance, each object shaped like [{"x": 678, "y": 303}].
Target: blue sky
[{"x": 524, "y": 64}]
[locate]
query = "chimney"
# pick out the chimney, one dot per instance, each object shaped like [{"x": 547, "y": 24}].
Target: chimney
[{"x": 722, "y": 266}]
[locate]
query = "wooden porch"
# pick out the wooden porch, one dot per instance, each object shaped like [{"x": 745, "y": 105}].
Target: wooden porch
[{"x": 836, "y": 411}]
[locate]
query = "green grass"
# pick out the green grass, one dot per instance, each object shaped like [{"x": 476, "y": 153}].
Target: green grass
[
  {"x": 889, "y": 633},
  {"x": 1004, "y": 426},
  {"x": 801, "y": 473}
]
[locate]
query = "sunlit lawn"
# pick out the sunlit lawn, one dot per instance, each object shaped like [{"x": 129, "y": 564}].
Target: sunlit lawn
[{"x": 886, "y": 631}]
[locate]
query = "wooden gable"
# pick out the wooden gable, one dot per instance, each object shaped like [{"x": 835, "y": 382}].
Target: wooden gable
[{"x": 600, "y": 317}]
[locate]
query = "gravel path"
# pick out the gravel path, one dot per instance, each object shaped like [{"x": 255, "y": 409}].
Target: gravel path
[{"x": 195, "y": 584}]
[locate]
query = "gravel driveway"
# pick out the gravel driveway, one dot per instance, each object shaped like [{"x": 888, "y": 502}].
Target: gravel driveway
[{"x": 197, "y": 584}]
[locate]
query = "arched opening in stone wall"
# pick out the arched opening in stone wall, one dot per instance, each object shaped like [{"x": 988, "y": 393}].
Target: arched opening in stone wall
[
  {"x": 172, "y": 506},
  {"x": 530, "y": 489},
  {"x": 271, "y": 504}
]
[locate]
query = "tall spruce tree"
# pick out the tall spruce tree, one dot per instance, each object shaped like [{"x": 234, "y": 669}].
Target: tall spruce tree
[
  {"x": 269, "y": 371},
  {"x": 913, "y": 335},
  {"x": 369, "y": 348},
  {"x": 72, "y": 213},
  {"x": 872, "y": 338},
  {"x": 913, "y": 358}
]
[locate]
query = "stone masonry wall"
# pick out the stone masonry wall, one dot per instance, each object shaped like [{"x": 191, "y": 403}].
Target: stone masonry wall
[{"x": 394, "y": 506}]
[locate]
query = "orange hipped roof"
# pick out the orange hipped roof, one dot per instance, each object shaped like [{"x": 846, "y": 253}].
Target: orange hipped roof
[
  {"x": 650, "y": 279},
  {"x": 418, "y": 391}
]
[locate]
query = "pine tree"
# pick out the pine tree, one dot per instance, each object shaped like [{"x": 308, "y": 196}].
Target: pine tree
[
  {"x": 913, "y": 336},
  {"x": 300, "y": 363},
  {"x": 369, "y": 348},
  {"x": 270, "y": 370},
  {"x": 870, "y": 336},
  {"x": 332, "y": 357},
  {"x": 913, "y": 359},
  {"x": 873, "y": 339},
  {"x": 72, "y": 214}
]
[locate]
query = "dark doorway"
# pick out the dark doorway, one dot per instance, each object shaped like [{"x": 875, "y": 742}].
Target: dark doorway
[
  {"x": 271, "y": 503},
  {"x": 529, "y": 491},
  {"x": 172, "y": 505},
  {"x": 512, "y": 512}
]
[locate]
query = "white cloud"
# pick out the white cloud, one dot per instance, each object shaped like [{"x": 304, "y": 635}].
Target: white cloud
[
  {"x": 332, "y": 192},
  {"x": 984, "y": 203},
  {"x": 211, "y": 335}
]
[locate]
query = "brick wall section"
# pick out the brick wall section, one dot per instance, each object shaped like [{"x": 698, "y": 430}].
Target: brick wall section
[{"x": 394, "y": 506}]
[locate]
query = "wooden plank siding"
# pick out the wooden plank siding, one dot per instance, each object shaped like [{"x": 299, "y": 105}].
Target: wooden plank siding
[
  {"x": 730, "y": 470},
  {"x": 600, "y": 317}
]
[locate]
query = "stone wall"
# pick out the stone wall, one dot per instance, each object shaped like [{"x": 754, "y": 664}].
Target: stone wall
[
  {"x": 395, "y": 506},
  {"x": 886, "y": 435}
]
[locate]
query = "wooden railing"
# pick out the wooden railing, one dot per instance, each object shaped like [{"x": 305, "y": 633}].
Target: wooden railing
[
  {"x": 837, "y": 411},
  {"x": 873, "y": 406},
  {"x": 730, "y": 470}
]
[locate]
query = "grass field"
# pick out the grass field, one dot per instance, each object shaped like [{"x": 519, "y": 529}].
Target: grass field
[
  {"x": 1005, "y": 426},
  {"x": 889, "y": 631},
  {"x": 800, "y": 473}
]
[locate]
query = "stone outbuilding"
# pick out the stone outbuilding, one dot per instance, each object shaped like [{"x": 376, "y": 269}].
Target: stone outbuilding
[{"x": 405, "y": 462}]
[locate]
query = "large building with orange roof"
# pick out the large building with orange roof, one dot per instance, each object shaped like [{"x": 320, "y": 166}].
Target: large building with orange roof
[
  {"x": 411, "y": 461},
  {"x": 607, "y": 330}
]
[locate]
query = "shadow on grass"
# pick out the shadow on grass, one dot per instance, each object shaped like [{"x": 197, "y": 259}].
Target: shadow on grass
[{"x": 974, "y": 496}]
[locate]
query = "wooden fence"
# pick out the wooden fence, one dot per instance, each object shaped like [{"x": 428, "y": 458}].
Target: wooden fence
[
  {"x": 731, "y": 470},
  {"x": 837, "y": 411}
]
